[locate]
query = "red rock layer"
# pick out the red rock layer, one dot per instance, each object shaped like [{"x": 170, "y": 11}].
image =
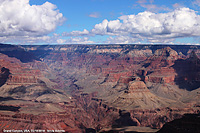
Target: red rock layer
[{"x": 20, "y": 73}]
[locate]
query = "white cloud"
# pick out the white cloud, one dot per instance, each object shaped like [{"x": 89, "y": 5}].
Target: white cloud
[
  {"x": 101, "y": 28},
  {"x": 113, "y": 26},
  {"x": 160, "y": 40},
  {"x": 106, "y": 27},
  {"x": 79, "y": 40},
  {"x": 121, "y": 40},
  {"x": 148, "y": 26},
  {"x": 77, "y": 33},
  {"x": 61, "y": 41},
  {"x": 182, "y": 22},
  {"x": 19, "y": 18},
  {"x": 26, "y": 39}
]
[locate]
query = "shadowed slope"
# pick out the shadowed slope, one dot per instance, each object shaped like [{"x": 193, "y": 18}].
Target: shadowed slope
[
  {"x": 189, "y": 123},
  {"x": 188, "y": 72},
  {"x": 4, "y": 74},
  {"x": 17, "y": 52}
]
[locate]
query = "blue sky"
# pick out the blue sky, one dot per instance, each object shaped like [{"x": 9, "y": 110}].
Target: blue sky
[{"x": 100, "y": 21}]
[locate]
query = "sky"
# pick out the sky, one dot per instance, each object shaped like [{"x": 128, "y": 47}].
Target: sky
[{"x": 30, "y": 22}]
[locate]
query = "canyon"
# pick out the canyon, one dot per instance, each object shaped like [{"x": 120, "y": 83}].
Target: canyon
[{"x": 97, "y": 88}]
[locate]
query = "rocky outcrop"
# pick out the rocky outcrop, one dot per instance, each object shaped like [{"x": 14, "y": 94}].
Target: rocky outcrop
[
  {"x": 162, "y": 58},
  {"x": 138, "y": 97},
  {"x": 135, "y": 86},
  {"x": 167, "y": 52},
  {"x": 162, "y": 75}
]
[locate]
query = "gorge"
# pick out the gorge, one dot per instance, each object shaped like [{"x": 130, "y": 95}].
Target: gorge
[{"x": 77, "y": 88}]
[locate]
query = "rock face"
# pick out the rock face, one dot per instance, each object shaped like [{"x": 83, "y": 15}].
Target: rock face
[
  {"x": 19, "y": 73},
  {"x": 79, "y": 88},
  {"x": 135, "y": 86},
  {"x": 4, "y": 75}
]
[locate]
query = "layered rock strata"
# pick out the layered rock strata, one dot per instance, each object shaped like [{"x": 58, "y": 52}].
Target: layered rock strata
[{"x": 82, "y": 87}]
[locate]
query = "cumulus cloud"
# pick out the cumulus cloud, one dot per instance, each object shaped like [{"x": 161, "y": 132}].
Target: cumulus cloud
[
  {"x": 148, "y": 26},
  {"x": 100, "y": 28},
  {"x": 19, "y": 18},
  {"x": 182, "y": 22},
  {"x": 106, "y": 27}
]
